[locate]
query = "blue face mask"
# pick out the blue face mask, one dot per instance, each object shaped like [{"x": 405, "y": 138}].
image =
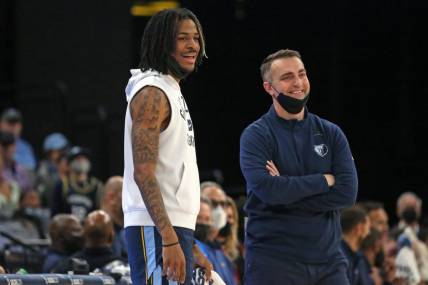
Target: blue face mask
[{"x": 290, "y": 104}]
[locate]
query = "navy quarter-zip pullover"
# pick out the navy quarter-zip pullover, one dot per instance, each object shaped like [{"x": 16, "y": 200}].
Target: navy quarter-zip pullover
[{"x": 295, "y": 216}]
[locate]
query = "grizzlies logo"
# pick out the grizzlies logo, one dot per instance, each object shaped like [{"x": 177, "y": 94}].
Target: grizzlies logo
[{"x": 321, "y": 149}]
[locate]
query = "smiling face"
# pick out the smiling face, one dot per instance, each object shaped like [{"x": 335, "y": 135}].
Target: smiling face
[
  {"x": 187, "y": 45},
  {"x": 288, "y": 75}
]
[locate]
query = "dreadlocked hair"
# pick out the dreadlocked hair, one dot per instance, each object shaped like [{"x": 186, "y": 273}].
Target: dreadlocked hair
[{"x": 158, "y": 41}]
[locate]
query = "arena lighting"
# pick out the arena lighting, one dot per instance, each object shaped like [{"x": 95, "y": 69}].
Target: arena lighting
[{"x": 149, "y": 8}]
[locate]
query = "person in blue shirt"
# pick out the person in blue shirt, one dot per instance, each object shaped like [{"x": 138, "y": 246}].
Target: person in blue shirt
[
  {"x": 299, "y": 173},
  {"x": 53, "y": 168},
  {"x": 66, "y": 234},
  {"x": 356, "y": 224},
  {"x": 11, "y": 121},
  {"x": 205, "y": 239}
]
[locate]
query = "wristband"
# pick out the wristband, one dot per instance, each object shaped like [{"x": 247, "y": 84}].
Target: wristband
[{"x": 170, "y": 244}]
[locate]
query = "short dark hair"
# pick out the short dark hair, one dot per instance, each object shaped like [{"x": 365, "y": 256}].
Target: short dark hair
[
  {"x": 267, "y": 62},
  {"x": 351, "y": 217},
  {"x": 370, "y": 206},
  {"x": 158, "y": 41}
]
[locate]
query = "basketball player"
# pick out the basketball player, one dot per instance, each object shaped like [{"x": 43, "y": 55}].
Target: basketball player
[{"x": 161, "y": 181}]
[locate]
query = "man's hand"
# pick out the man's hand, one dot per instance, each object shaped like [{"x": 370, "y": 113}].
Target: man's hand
[
  {"x": 270, "y": 166},
  {"x": 202, "y": 262},
  {"x": 174, "y": 262},
  {"x": 330, "y": 179}
]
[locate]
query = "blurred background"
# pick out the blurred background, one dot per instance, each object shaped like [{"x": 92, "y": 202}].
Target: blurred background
[{"x": 65, "y": 64}]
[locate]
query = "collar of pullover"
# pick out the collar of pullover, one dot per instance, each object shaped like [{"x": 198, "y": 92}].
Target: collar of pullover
[{"x": 289, "y": 124}]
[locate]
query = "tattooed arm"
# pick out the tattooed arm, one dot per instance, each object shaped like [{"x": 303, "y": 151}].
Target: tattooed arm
[{"x": 150, "y": 112}]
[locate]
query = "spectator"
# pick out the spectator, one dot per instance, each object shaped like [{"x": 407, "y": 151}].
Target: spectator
[
  {"x": 384, "y": 260},
  {"x": 204, "y": 221},
  {"x": 66, "y": 234},
  {"x": 215, "y": 193},
  {"x": 205, "y": 240},
  {"x": 111, "y": 203},
  {"x": 30, "y": 217},
  {"x": 406, "y": 263},
  {"x": 224, "y": 230},
  {"x": 9, "y": 193},
  {"x": 378, "y": 217},
  {"x": 53, "y": 168},
  {"x": 99, "y": 235},
  {"x": 12, "y": 170},
  {"x": 412, "y": 251},
  {"x": 77, "y": 193},
  {"x": 228, "y": 238},
  {"x": 11, "y": 121},
  {"x": 409, "y": 206},
  {"x": 355, "y": 227}
]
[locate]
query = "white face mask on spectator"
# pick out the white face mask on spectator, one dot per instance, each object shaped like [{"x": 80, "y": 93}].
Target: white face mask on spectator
[{"x": 219, "y": 217}]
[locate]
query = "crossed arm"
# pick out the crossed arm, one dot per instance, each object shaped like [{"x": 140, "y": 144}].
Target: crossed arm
[
  {"x": 344, "y": 192},
  {"x": 274, "y": 190},
  {"x": 315, "y": 192}
]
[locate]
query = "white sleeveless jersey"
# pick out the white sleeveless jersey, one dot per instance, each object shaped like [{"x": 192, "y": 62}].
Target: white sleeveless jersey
[{"x": 176, "y": 169}]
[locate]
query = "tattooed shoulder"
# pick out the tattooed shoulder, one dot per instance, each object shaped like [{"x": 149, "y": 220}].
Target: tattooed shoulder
[
  {"x": 149, "y": 108},
  {"x": 151, "y": 99}
]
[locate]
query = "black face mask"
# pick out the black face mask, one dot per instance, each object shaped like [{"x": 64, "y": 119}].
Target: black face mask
[
  {"x": 226, "y": 230},
  {"x": 291, "y": 104},
  {"x": 201, "y": 232},
  {"x": 409, "y": 215}
]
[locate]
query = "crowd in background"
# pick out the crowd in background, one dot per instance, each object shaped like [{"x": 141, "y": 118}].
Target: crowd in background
[
  {"x": 378, "y": 254},
  {"x": 56, "y": 217}
]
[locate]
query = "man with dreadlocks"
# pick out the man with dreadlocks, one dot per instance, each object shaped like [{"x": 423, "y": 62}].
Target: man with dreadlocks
[{"x": 160, "y": 196}]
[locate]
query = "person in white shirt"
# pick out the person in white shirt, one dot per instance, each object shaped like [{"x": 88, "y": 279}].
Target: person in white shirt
[{"x": 161, "y": 193}]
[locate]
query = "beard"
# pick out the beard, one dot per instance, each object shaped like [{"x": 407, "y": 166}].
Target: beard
[{"x": 176, "y": 69}]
